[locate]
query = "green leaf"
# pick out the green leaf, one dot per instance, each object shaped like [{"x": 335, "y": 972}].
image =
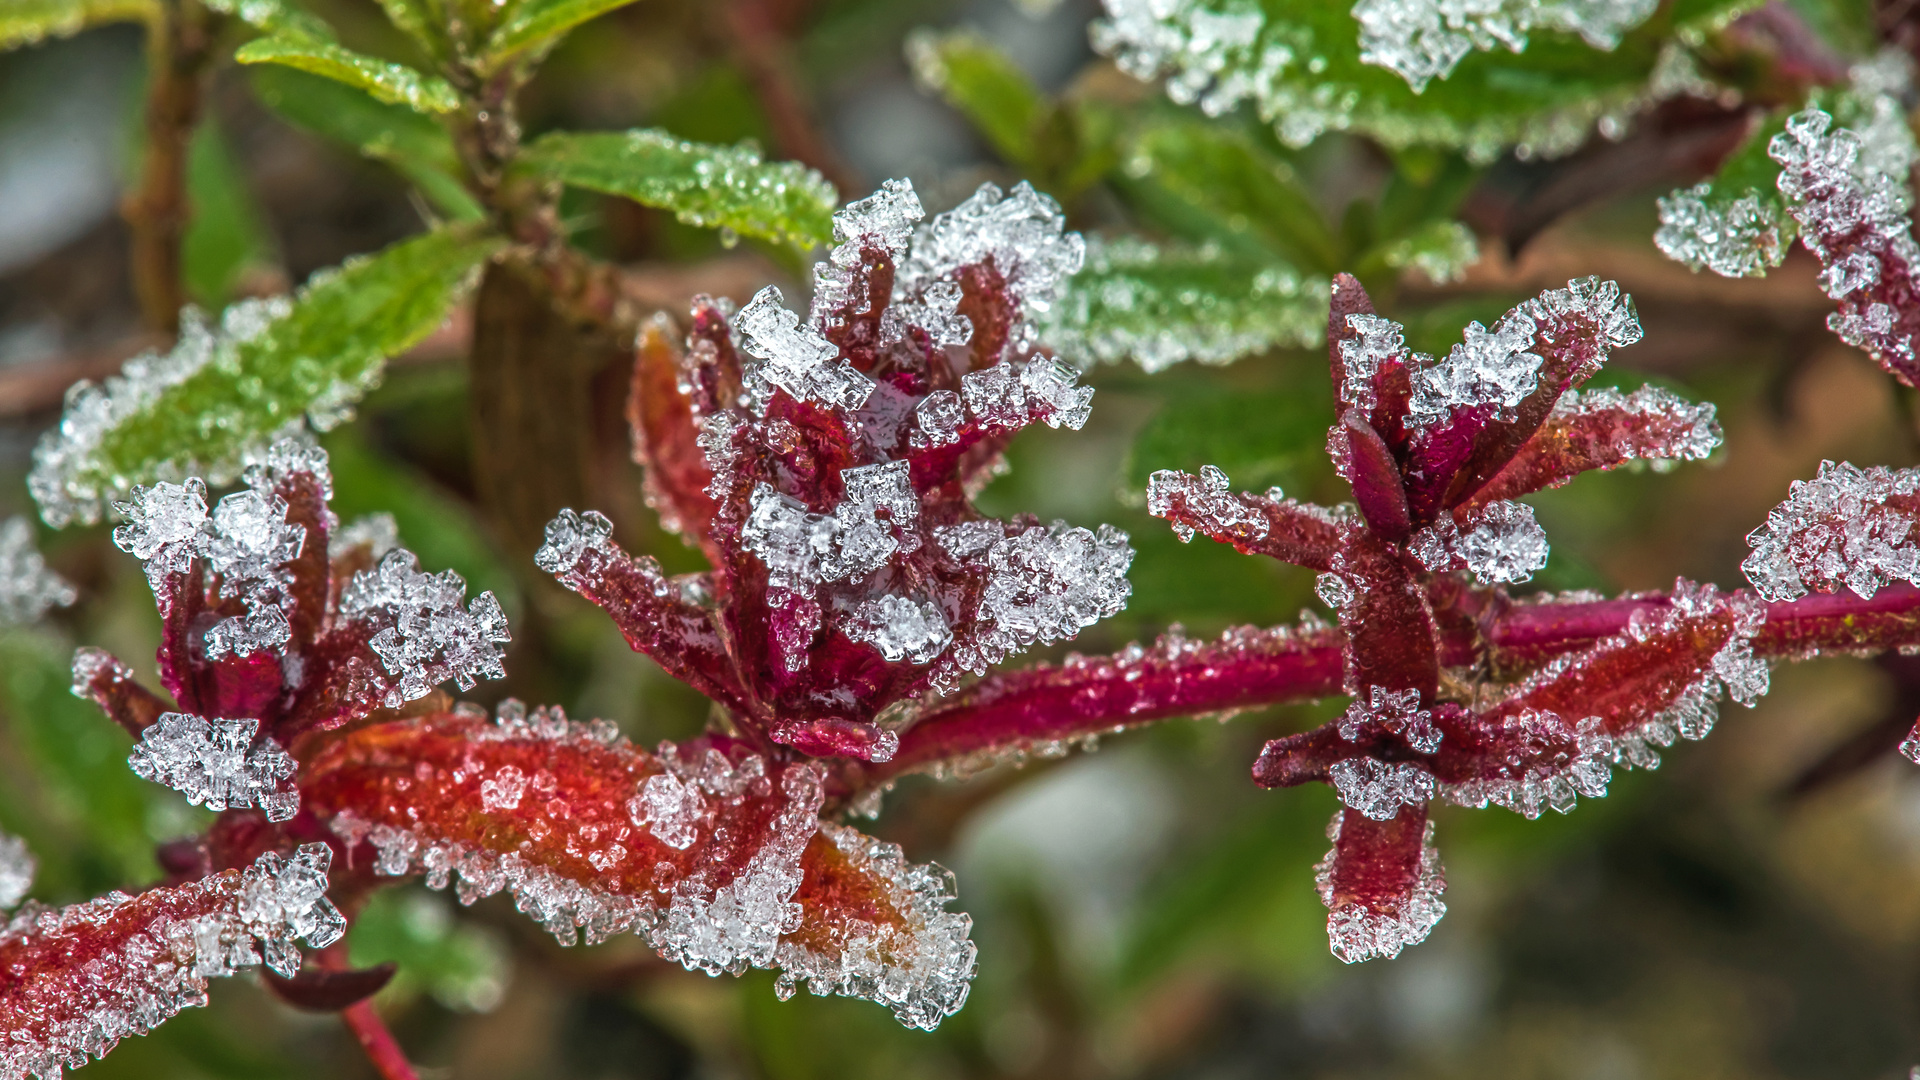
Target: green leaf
[
  {"x": 418, "y": 147},
  {"x": 271, "y": 365},
  {"x": 1236, "y": 190},
  {"x": 1158, "y": 306},
  {"x": 716, "y": 187},
  {"x": 461, "y": 964},
  {"x": 975, "y": 77},
  {"x": 417, "y": 19},
  {"x": 29, "y": 22},
  {"x": 538, "y": 23},
  {"x": 395, "y": 84},
  {"x": 1258, "y": 437},
  {"x": 226, "y": 235},
  {"x": 1442, "y": 250},
  {"x": 274, "y": 17}
]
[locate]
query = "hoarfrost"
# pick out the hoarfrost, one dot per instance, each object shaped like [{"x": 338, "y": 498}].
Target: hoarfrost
[
  {"x": 216, "y": 763},
  {"x": 796, "y": 358},
  {"x": 1022, "y": 231},
  {"x": 1697, "y": 432},
  {"x": 166, "y": 527},
  {"x": 1047, "y": 584},
  {"x": 16, "y": 870},
  {"x": 1209, "y": 499},
  {"x": 1847, "y": 526},
  {"x": 1380, "y": 341},
  {"x": 883, "y": 221},
  {"x": 27, "y": 587},
  {"x": 968, "y": 538},
  {"x": 569, "y": 536},
  {"x": 1737, "y": 237},
  {"x": 1490, "y": 367},
  {"x": 1010, "y": 395},
  {"x": 1548, "y": 764},
  {"x": 1398, "y": 712},
  {"x": 378, "y": 533},
  {"x": 803, "y": 549},
  {"x": 1422, "y": 40},
  {"x": 424, "y": 637},
  {"x": 901, "y": 628},
  {"x": 1379, "y": 789},
  {"x": 670, "y": 809},
  {"x": 1356, "y": 932},
  {"x": 1501, "y": 543},
  {"x": 937, "y": 419}
]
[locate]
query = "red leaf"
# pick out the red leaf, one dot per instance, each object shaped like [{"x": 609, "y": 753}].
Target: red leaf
[{"x": 1381, "y": 884}]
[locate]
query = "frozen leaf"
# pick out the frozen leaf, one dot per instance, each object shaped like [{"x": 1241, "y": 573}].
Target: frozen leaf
[
  {"x": 714, "y": 187},
  {"x": 16, "y": 871},
  {"x": 27, "y": 587},
  {"x": 973, "y": 76},
  {"x": 421, "y": 633},
  {"x": 1158, "y": 306},
  {"x": 1421, "y": 40},
  {"x": 538, "y": 24},
  {"x": 1604, "y": 429},
  {"x": 29, "y": 22},
  {"x": 1021, "y": 234},
  {"x": 270, "y": 366},
  {"x": 1286, "y": 529},
  {"x": 1738, "y": 236},
  {"x": 1442, "y": 252},
  {"x": 712, "y": 853},
  {"x": 1847, "y": 526},
  {"x": 386, "y": 81},
  {"x": 81, "y": 978},
  {"x": 1381, "y": 884},
  {"x": 217, "y": 764}
]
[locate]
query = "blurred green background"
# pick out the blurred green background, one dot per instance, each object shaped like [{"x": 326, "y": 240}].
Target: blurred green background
[{"x": 1144, "y": 911}]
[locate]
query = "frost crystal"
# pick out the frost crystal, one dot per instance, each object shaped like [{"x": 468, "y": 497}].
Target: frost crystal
[
  {"x": 1543, "y": 767},
  {"x": 1379, "y": 341},
  {"x": 1737, "y": 237},
  {"x": 901, "y": 629},
  {"x": 803, "y": 549},
  {"x": 1378, "y": 789},
  {"x": 216, "y": 763},
  {"x": 1209, "y": 499},
  {"x": 166, "y": 527},
  {"x": 796, "y": 358},
  {"x": 378, "y": 533},
  {"x": 1847, "y": 526},
  {"x": 1398, "y": 712},
  {"x": 571, "y": 535},
  {"x": 1421, "y": 40},
  {"x": 1693, "y": 433},
  {"x": 16, "y": 870},
  {"x": 1009, "y": 396},
  {"x": 1047, "y": 584},
  {"x": 937, "y": 419},
  {"x": 1022, "y": 232},
  {"x": 882, "y": 221},
  {"x": 62, "y": 482},
  {"x": 424, "y": 636},
  {"x": 1500, "y": 543},
  {"x": 1487, "y": 368},
  {"x": 1358, "y": 931},
  {"x": 27, "y": 587}
]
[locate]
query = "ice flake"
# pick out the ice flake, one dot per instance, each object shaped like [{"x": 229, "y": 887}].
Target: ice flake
[
  {"x": 934, "y": 310},
  {"x": 921, "y": 970},
  {"x": 1736, "y": 237},
  {"x": 1490, "y": 367},
  {"x": 1024, "y": 234},
  {"x": 166, "y": 527},
  {"x": 27, "y": 587},
  {"x": 571, "y": 535},
  {"x": 937, "y": 419},
  {"x": 378, "y": 533},
  {"x": 1422, "y": 40},
  {"x": 1009, "y": 396},
  {"x": 1398, "y": 712},
  {"x": 901, "y": 628},
  {"x": 1209, "y": 499},
  {"x": 1358, "y": 932},
  {"x": 286, "y": 898},
  {"x": 424, "y": 636},
  {"x": 796, "y": 358},
  {"x": 16, "y": 870},
  {"x": 803, "y": 549},
  {"x": 1047, "y": 584},
  {"x": 1379, "y": 789},
  {"x": 1379, "y": 341},
  {"x": 63, "y": 482},
  {"x": 669, "y": 808},
  {"x": 1847, "y": 526},
  {"x": 1501, "y": 543},
  {"x": 969, "y": 538},
  {"x": 217, "y": 763},
  {"x": 503, "y": 790}
]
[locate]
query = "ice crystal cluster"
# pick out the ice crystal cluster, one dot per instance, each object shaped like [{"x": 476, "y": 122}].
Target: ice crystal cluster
[
  {"x": 825, "y": 465},
  {"x": 1847, "y": 527},
  {"x": 1436, "y": 452},
  {"x": 714, "y": 854},
  {"x": 1734, "y": 237},
  {"x": 1422, "y": 40},
  {"x": 425, "y": 637},
  {"x": 217, "y": 764},
  {"x": 16, "y": 870},
  {"x": 82, "y": 978},
  {"x": 27, "y": 588},
  {"x": 1159, "y": 306},
  {"x": 63, "y": 486}
]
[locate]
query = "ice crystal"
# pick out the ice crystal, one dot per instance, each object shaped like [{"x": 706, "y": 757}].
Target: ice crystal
[
  {"x": 882, "y": 222},
  {"x": 1159, "y": 306},
  {"x": 571, "y": 535},
  {"x": 1398, "y": 712},
  {"x": 424, "y": 636},
  {"x": 378, "y": 533},
  {"x": 1359, "y": 930},
  {"x": 1422, "y": 40},
  {"x": 1379, "y": 789},
  {"x": 1546, "y": 763},
  {"x": 1046, "y": 584},
  {"x": 796, "y": 358},
  {"x": 1010, "y": 396},
  {"x": 1847, "y": 526},
  {"x": 62, "y": 484},
  {"x": 1207, "y": 497},
  {"x": 166, "y": 527},
  {"x": 1734, "y": 237},
  {"x": 1021, "y": 233},
  {"x": 149, "y": 957},
  {"x": 1500, "y": 543},
  {"x": 27, "y": 587},
  {"x": 901, "y": 628},
  {"x": 1490, "y": 367},
  {"x": 803, "y": 549},
  {"x": 16, "y": 870},
  {"x": 1377, "y": 341},
  {"x": 937, "y": 419},
  {"x": 1691, "y": 432},
  {"x": 217, "y": 763}
]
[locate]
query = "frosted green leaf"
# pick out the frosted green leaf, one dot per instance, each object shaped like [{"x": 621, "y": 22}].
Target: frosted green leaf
[
  {"x": 1299, "y": 66},
  {"x": 1159, "y": 305},
  {"x": 715, "y": 187},
  {"x": 1202, "y": 178},
  {"x": 979, "y": 80},
  {"x": 536, "y": 23},
  {"x": 417, "y": 19},
  {"x": 274, "y": 17},
  {"x": 1422, "y": 40},
  {"x": 395, "y": 84},
  {"x": 415, "y": 145},
  {"x": 29, "y": 22},
  {"x": 270, "y": 366},
  {"x": 1442, "y": 250}
]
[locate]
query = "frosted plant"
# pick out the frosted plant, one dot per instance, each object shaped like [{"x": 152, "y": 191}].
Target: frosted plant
[
  {"x": 217, "y": 764},
  {"x": 1734, "y": 237},
  {"x": 1381, "y": 884},
  {"x": 16, "y": 871},
  {"x": 1499, "y": 542},
  {"x": 27, "y": 588},
  {"x": 1422, "y": 40},
  {"x": 424, "y": 637},
  {"x": 1847, "y": 527},
  {"x": 860, "y": 585},
  {"x": 1441, "y": 252}
]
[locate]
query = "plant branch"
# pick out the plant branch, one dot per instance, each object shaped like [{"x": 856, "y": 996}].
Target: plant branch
[
  {"x": 761, "y": 50},
  {"x": 378, "y": 1042},
  {"x": 181, "y": 47}
]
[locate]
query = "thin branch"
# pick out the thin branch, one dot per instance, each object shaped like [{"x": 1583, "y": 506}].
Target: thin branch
[
  {"x": 181, "y": 48},
  {"x": 762, "y": 51},
  {"x": 381, "y": 1047}
]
